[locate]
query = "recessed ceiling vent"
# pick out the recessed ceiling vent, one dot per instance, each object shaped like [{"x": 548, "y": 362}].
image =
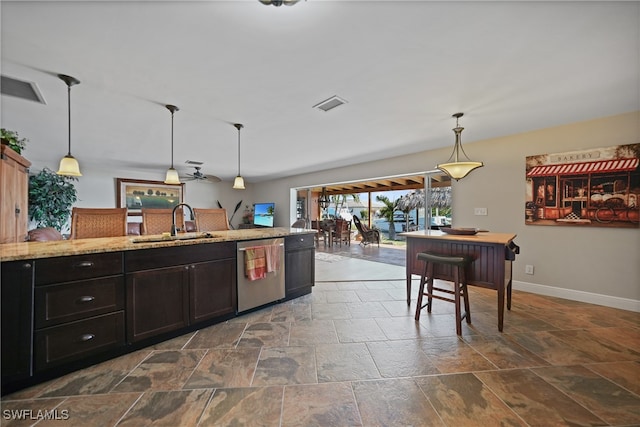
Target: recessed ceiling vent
[
  {"x": 330, "y": 104},
  {"x": 21, "y": 89}
]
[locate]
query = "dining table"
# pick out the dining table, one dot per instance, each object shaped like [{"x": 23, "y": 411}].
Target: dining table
[{"x": 492, "y": 254}]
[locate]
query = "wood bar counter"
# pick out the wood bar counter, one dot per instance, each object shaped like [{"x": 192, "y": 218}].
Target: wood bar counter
[
  {"x": 69, "y": 304},
  {"x": 492, "y": 255}
]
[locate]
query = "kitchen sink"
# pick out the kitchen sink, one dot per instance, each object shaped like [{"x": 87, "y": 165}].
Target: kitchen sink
[{"x": 166, "y": 238}]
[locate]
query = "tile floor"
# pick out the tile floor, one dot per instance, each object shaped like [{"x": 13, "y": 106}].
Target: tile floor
[{"x": 351, "y": 354}]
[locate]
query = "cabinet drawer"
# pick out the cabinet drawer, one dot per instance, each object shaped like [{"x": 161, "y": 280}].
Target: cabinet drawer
[
  {"x": 77, "y": 267},
  {"x": 149, "y": 259},
  {"x": 56, "y": 304},
  {"x": 76, "y": 340},
  {"x": 299, "y": 241}
]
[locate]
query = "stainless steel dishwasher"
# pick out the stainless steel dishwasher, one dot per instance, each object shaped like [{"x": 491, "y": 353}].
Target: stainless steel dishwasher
[{"x": 254, "y": 293}]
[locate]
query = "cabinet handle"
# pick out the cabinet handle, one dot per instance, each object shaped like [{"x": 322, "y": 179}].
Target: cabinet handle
[
  {"x": 84, "y": 264},
  {"x": 17, "y": 211},
  {"x": 26, "y": 265},
  {"x": 87, "y": 337},
  {"x": 86, "y": 298}
]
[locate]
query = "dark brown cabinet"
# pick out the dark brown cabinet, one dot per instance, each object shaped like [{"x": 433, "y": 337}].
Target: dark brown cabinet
[
  {"x": 17, "y": 330},
  {"x": 171, "y": 288},
  {"x": 78, "y": 308},
  {"x": 212, "y": 290},
  {"x": 299, "y": 265}
]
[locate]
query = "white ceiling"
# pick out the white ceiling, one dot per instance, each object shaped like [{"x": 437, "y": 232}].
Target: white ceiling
[{"x": 403, "y": 66}]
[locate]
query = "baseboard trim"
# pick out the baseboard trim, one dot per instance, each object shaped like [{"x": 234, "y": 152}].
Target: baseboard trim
[{"x": 571, "y": 294}]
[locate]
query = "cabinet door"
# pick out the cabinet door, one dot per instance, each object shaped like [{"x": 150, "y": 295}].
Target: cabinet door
[
  {"x": 17, "y": 302},
  {"x": 300, "y": 268},
  {"x": 157, "y": 302},
  {"x": 212, "y": 289}
]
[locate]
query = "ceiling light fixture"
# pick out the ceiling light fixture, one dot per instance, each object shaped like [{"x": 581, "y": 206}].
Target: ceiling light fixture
[
  {"x": 324, "y": 199},
  {"x": 456, "y": 167},
  {"x": 172, "y": 174},
  {"x": 68, "y": 164},
  {"x": 279, "y": 3},
  {"x": 238, "y": 183}
]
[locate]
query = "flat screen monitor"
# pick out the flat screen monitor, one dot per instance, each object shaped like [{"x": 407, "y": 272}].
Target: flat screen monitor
[{"x": 263, "y": 214}]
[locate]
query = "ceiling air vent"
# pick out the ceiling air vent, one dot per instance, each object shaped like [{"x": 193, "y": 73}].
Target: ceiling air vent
[
  {"x": 330, "y": 104},
  {"x": 21, "y": 89}
]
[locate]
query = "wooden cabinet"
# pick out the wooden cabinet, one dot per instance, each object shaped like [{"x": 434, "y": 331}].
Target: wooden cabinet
[
  {"x": 78, "y": 308},
  {"x": 212, "y": 289},
  {"x": 14, "y": 195},
  {"x": 171, "y": 288},
  {"x": 299, "y": 265},
  {"x": 17, "y": 330}
]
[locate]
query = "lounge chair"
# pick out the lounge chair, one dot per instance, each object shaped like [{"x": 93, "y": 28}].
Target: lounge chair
[{"x": 368, "y": 235}]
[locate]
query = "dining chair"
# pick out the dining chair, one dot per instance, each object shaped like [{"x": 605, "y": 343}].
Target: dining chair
[
  {"x": 320, "y": 233},
  {"x": 98, "y": 222},
  {"x": 211, "y": 219},
  {"x": 158, "y": 221},
  {"x": 342, "y": 232}
]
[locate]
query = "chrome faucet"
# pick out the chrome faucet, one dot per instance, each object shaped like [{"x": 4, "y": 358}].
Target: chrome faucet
[{"x": 174, "y": 229}]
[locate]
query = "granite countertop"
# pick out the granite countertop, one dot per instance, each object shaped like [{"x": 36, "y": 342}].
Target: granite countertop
[{"x": 34, "y": 250}]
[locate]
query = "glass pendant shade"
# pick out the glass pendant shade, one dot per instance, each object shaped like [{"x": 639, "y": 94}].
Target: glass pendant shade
[
  {"x": 458, "y": 167},
  {"x": 238, "y": 183},
  {"x": 172, "y": 177},
  {"x": 69, "y": 166}
]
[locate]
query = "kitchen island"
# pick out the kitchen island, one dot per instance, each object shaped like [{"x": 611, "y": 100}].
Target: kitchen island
[
  {"x": 492, "y": 255},
  {"x": 70, "y": 304}
]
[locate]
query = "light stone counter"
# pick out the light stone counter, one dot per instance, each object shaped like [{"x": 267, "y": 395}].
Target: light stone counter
[{"x": 35, "y": 250}]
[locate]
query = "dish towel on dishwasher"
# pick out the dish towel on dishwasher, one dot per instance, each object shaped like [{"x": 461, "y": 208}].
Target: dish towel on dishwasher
[
  {"x": 273, "y": 258},
  {"x": 255, "y": 263}
]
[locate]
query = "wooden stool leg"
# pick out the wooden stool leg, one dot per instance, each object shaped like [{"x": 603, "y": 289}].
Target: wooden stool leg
[
  {"x": 456, "y": 291},
  {"x": 429, "y": 286},
  {"x": 421, "y": 292},
  {"x": 465, "y": 288}
]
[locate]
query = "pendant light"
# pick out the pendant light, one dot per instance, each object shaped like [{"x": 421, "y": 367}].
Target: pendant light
[
  {"x": 324, "y": 200},
  {"x": 238, "y": 183},
  {"x": 172, "y": 174},
  {"x": 457, "y": 167},
  {"x": 68, "y": 164}
]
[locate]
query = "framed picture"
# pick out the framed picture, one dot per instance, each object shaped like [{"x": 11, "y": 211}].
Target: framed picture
[
  {"x": 597, "y": 187},
  {"x": 135, "y": 194}
]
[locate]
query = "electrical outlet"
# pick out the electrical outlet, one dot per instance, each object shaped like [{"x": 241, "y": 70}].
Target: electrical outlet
[
  {"x": 480, "y": 211},
  {"x": 528, "y": 269}
]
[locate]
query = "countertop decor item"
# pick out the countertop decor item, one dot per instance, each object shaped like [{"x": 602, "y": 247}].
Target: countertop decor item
[
  {"x": 68, "y": 164},
  {"x": 457, "y": 167},
  {"x": 460, "y": 231},
  {"x": 13, "y": 140}
]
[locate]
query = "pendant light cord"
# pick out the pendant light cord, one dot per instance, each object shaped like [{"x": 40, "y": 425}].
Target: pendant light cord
[
  {"x": 171, "y": 139},
  {"x": 69, "y": 115}
]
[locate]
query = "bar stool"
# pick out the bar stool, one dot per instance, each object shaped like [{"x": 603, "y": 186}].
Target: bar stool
[{"x": 458, "y": 264}]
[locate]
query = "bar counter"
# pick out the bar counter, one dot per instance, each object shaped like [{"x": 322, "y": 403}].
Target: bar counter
[{"x": 492, "y": 255}]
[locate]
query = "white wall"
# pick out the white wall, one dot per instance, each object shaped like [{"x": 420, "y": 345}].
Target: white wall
[{"x": 599, "y": 265}]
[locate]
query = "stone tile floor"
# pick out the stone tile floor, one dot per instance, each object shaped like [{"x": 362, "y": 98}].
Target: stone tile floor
[{"x": 351, "y": 354}]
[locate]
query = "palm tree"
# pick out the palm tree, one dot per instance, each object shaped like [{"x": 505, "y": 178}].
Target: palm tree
[{"x": 387, "y": 213}]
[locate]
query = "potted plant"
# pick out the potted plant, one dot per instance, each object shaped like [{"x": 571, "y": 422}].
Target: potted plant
[
  {"x": 13, "y": 140},
  {"x": 50, "y": 199}
]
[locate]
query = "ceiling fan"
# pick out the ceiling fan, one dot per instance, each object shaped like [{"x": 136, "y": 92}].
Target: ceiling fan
[{"x": 197, "y": 175}]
